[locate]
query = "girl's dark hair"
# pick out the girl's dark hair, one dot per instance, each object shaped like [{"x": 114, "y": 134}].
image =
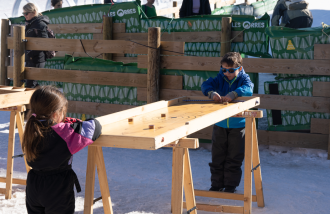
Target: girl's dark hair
[
  {"x": 232, "y": 59},
  {"x": 44, "y": 102},
  {"x": 54, "y": 2}
]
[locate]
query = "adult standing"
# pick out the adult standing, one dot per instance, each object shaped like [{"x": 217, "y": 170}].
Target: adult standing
[
  {"x": 36, "y": 26},
  {"x": 57, "y": 4},
  {"x": 294, "y": 13},
  {"x": 195, "y": 7}
]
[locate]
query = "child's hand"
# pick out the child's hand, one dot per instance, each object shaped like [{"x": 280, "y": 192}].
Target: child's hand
[
  {"x": 226, "y": 99},
  {"x": 216, "y": 97}
]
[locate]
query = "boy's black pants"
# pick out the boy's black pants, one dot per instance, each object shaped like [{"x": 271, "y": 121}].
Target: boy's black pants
[
  {"x": 227, "y": 156},
  {"x": 50, "y": 193}
]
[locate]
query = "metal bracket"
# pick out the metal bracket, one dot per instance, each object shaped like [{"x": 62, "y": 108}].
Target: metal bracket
[
  {"x": 192, "y": 209},
  {"x": 255, "y": 167}
]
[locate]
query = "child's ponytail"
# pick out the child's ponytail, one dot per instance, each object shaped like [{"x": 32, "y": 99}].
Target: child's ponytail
[{"x": 45, "y": 101}]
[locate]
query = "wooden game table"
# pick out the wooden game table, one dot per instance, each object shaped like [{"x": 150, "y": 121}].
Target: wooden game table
[{"x": 165, "y": 124}]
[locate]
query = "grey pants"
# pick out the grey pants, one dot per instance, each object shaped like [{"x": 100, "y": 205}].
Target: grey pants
[{"x": 227, "y": 156}]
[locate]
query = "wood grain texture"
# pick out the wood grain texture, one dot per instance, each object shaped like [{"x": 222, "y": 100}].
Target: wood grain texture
[
  {"x": 4, "y": 50},
  {"x": 248, "y": 166},
  {"x": 15, "y": 99},
  {"x": 107, "y": 34},
  {"x": 225, "y": 35},
  {"x": 322, "y": 51},
  {"x": 125, "y": 59},
  {"x": 15, "y": 181},
  {"x": 85, "y": 28},
  {"x": 10, "y": 154},
  {"x": 321, "y": 89},
  {"x": 188, "y": 183},
  {"x": 320, "y": 126},
  {"x": 90, "y": 180},
  {"x": 97, "y": 77},
  {"x": 209, "y": 36},
  {"x": 99, "y": 109},
  {"x": 19, "y": 55},
  {"x": 177, "y": 182},
  {"x": 96, "y": 46},
  {"x": 252, "y": 65}
]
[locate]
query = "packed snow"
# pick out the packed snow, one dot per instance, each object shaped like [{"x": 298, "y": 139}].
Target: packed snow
[{"x": 294, "y": 180}]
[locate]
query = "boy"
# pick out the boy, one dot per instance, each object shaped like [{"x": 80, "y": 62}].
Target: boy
[{"x": 228, "y": 136}]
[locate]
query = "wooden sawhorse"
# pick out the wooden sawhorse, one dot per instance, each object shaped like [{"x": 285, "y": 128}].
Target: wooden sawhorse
[
  {"x": 252, "y": 164},
  {"x": 15, "y": 119}
]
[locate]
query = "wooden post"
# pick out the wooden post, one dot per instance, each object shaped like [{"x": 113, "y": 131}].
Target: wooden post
[
  {"x": 225, "y": 35},
  {"x": 248, "y": 166},
  {"x": 153, "y": 64},
  {"x": 4, "y": 51},
  {"x": 107, "y": 34},
  {"x": 10, "y": 160},
  {"x": 188, "y": 183},
  {"x": 177, "y": 182},
  {"x": 19, "y": 55},
  {"x": 90, "y": 180}
]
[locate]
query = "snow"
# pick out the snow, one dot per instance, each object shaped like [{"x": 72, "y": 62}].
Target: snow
[{"x": 294, "y": 180}]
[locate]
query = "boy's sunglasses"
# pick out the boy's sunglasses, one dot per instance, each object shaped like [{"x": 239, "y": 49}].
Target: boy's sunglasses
[
  {"x": 25, "y": 13},
  {"x": 230, "y": 70}
]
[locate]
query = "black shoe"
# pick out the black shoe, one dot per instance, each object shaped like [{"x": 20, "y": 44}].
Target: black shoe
[
  {"x": 230, "y": 189},
  {"x": 217, "y": 189}
]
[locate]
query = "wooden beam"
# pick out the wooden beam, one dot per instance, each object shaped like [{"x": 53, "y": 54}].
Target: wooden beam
[
  {"x": 96, "y": 46},
  {"x": 209, "y": 36},
  {"x": 107, "y": 34},
  {"x": 98, "y": 77},
  {"x": 19, "y": 55},
  {"x": 85, "y": 28},
  {"x": 321, "y": 51},
  {"x": 15, "y": 181},
  {"x": 98, "y": 109},
  {"x": 4, "y": 51},
  {"x": 14, "y": 99},
  {"x": 252, "y": 65},
  {"x": 320, "y": 126},
  {"x": 190, "y": 143},
  {"x": 223, "y": 195},
  {"x": 321, "y": 89},
  {"x": 217, "y": 208},
  {"x": 125, "y": 59},
  {"x": 225, "y": 35}
]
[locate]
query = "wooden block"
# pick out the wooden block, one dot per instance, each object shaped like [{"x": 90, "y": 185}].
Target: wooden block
[
  {"x": 321, "y": 89},
  {"x": 130, "y": 120},
  {"x": 321, "y": 51},
  {"x": 320, "y": 126},
  {"x": 223, "y": 195},
  {"x": 97, "y": 77},
  {"x": 163, "y": 115},
  {"x": 151, "y": 127},
  {"x": 250, "y": 113}
]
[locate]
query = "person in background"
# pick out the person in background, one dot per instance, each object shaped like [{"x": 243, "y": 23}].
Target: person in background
[
  {"x": 149, "y": 9},
  {"x": 294, "y": 13},
  {"x": 57, "y": 4},
  {"x": 195, "y": 7},
  {"x": 36, "y": 26},
  {"x": 228, "y": 136}
]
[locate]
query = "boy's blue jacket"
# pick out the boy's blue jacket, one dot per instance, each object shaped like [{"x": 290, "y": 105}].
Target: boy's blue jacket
[{"x": 241, "y": 84}]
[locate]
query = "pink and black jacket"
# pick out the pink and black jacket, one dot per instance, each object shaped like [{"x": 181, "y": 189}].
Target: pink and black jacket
[{"x": 60, "y": 142}]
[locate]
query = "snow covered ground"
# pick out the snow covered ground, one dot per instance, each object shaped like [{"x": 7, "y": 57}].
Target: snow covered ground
[{"x": 295, "y": 181}]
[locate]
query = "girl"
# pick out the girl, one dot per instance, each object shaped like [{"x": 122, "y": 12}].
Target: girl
[
  {"x": 36, "y": 26},
  {"x": 48, "y": 144}
]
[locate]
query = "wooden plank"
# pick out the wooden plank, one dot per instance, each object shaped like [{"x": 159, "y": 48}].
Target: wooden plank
[
  {"x": 209, "y": 36},
  {"x": 103, "y": 181},
  {"x": 248, "y": 166},
  {"x": 96, "y": 46},
  {"x": 14, "y": 99},
  {"x": 320, "y": 126},
  {"x": 253, "y": 65},
  {"x": 4, "y": 50},
  {"x": 19, "y": 55},
  {"x": 78, "y": 54},
  {"x": 321, "y": 89},
  {"x": 190, "y": 143},
  {"x": 125, "y": 142},
  {"x": 225, "y": 35},
  {"x": 177, "y": 182},
  {"x": 125, "y": 59},
  {"x": 98, "y": 77},
  {"x": 2, "y": 191},
  {"x": 223, "y": 195},
  {"x": 95, "y": 28},
  {"x": 107, "y": 34},
  {"x": 10, "y": 154},
  {"x": 217, "y": 208},
  {"x": 188, "y": 183},
  {"x": 15, "y": 181},
  {"x": 90, "y": 180},
  {"x": 321, "y": 51},
  {"x": 256, "y": 162},
  {"x": 250, "y": 114},
  {"x": 92, "y": 108}
]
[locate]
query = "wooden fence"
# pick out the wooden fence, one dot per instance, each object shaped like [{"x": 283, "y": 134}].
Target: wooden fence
[{"x": 171, "y": 86}]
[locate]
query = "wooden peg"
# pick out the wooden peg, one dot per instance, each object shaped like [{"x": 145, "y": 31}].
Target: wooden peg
[
  {"x": 187, "y": 123},
  {"x": 225, "y": 103},
  {"x": 151, "y": 127},
  {"x": 130, "y": 120},
  {"x": 163, "y": 115}
]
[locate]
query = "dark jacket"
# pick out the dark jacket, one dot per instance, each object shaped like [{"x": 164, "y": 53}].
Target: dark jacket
[
  {"x": 63, "y": 140},
  {"x": 36, "y": 27},
  {"x": 187, "y": 7},
  {"x": 294, "y": 15},
  {"x": 241, "y": 85}
]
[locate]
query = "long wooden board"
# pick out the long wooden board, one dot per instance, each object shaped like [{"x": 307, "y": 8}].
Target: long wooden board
[
  {"x": 322, "y": 51},
  {"x": 252, "y": 65},
  {"x": 180, "y": 121},
  {"x": 97, "y": 77},
  {"x": 84, "y": 28},
  {"x": 209, "y": 36},
  {"x": 321, "y": 89},
  {"x": 320, "y": 126},
  {"x": 15, "y": 99},
  {"x": 289, "y": 139},
  {"x": 96, "y": 46}
]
